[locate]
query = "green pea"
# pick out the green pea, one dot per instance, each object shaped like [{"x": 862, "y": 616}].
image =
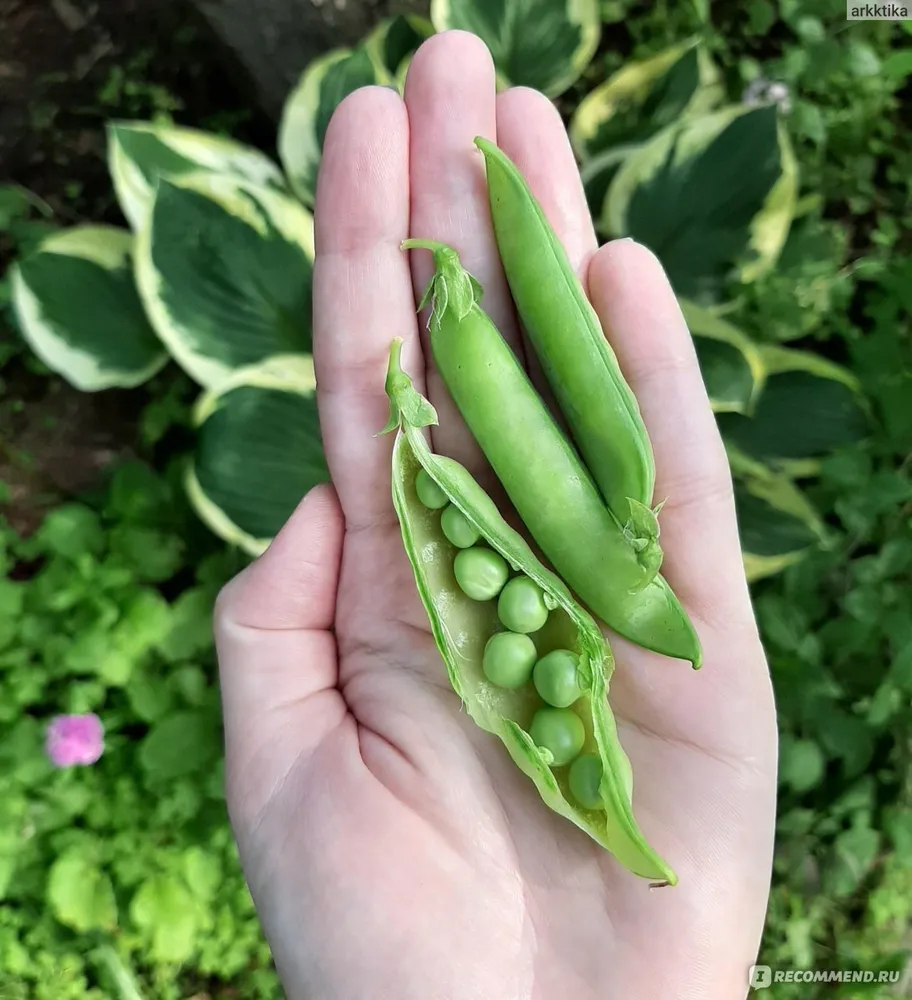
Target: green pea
[
  {"x": 521, "y": 606},
  {"x": 556, "y": 678},
  {"x": 429, "y": 493},
  {"x": 480, "y": 572},
  {"x": 584, "y": 777},
  {"x": 457, "y": 528},
  {"x": 508, "y": 659},
  {"x": 559, "y": 730}
]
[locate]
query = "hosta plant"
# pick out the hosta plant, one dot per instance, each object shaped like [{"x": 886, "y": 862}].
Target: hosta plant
[{"x": 215, "y": 270}]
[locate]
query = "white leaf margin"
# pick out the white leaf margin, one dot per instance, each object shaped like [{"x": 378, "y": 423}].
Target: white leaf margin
[
  {"x": 212, "y": 153},
  {"x": 109, "y": 248},
  {"x": 288, "y": 216},
  {"x": 292, "y": 373}
]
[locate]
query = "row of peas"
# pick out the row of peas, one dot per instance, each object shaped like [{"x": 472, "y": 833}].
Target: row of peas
[{"x": 510, "y": 658}]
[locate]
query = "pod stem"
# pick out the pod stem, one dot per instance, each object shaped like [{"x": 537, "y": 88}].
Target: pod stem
[
  {"x": 406, "y": 403},
  {"x": 451, "y": 285},
  {"x": 435, "y": 246}
]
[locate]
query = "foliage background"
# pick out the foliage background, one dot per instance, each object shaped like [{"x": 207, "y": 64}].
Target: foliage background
[{"x": 121, "y": 880}]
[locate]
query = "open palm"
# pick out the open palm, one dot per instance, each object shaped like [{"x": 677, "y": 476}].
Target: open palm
[{"x": 392, "y": 848}]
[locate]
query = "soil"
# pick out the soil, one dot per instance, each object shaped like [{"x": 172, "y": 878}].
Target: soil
[{"x": 66, "y": 66}]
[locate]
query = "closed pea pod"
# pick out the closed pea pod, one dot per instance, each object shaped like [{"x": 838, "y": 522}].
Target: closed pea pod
[
  {"x": 542, "y": 473},
  {"x": 464, "y": 629},
  {"x": 576, "y": 358}
]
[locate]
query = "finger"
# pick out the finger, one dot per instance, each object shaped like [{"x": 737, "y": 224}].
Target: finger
[
  {"x": 644, "y": 324},
  {"x": 450, "y": 96},
  {"x": 293, "y": 584},
  {"x": 276, "y": 655},
  {"x": 530, "y": 131},
  {"x": 362, "y": 294}
]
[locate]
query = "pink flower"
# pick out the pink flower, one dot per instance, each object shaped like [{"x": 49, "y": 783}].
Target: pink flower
[{"x": 74, "y": 739}]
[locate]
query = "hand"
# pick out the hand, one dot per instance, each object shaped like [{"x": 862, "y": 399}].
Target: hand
[{"x": 392, "y": 848}]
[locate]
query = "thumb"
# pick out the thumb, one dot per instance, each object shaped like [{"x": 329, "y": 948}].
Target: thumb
[
  {"x": 276, "y": 653},
  {"x": 293, "y": 584}
]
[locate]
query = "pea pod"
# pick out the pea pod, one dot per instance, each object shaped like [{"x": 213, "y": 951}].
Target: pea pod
[
  {"x": 578, "y": 362},
  {"x": 463, "y": 627},
  {"x": 541, "y": 471}
]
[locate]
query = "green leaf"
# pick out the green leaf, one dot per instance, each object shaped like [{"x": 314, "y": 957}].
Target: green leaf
[
  {"x": 846, "y": 736},
  {"x": 203, "y": 873},
  {"x": 854, "y": 853},
  {"x": 899, "y": 828},
  {"x": 80, "y": 894},
  {"x": 393, "y": 42},
  {"x": 12, "y": 598},
  {"x": 149, "y": 695},
  {"x": 17, "y": 202},
  {"x": 78, "y": 309},
  {"x": 168, "y": 914},
  {"x": 898, "y": 65},
  {"x": 180, "y": 744},
  {"x": 224, "y": 271},
  {"x": 151, "y": 554},
  {"x": 730, "y": 362},
  {"x": 712, "y": 196},
  {"x": 597, "y": 173},
  {"x": 191, "y": 625},
  {"x": 325, "y": 83},
  {"x": 768, "y": 533},
  {"x": 644, "y": 97},
  {"x": 114, "y": 653},
  {"x": 258, "y": 451},
  {"x": 777, "y": 523},
  {"x": 808, "y": 406},
  {"x": 545, "y": 44},
  {"x": 901, "y": 668},
  {"x": 192, "y": 685},
  {"x": 140, "y": 153},
  {"x": 138, "y": 494},
  {"x": 122, "y": 977},
  {"x": 71, "y": 531},
  {"x": 801, "y": 764}
]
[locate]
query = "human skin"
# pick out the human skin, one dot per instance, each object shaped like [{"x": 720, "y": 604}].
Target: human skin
[{"x": 393, "y": 849}]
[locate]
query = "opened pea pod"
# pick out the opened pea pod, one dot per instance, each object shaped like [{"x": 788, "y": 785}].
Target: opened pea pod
[{"x": 529, "y": 663}]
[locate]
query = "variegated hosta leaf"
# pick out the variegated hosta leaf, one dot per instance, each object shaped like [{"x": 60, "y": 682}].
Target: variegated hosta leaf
[
  {"x": 713, "y": 197},
  {"x": 597, "y": 174},
  {"x": 777, "y": 523},
  {"x": 644, "y": 97},
  {"x": 808, "y": 407},
  {"x": 770, "y": 227},
  {"x": 544, "y": 44},
  {"x": 393, "y": 42},
  {"x": 77, "y": 306},
  {"x": 729, "y": 360},
  {"x": 305, "y": 117},
  {"x": 224, "y": 271},
  {"x": 258, "y": 450},
  {"x": 141, "y": 152}
]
